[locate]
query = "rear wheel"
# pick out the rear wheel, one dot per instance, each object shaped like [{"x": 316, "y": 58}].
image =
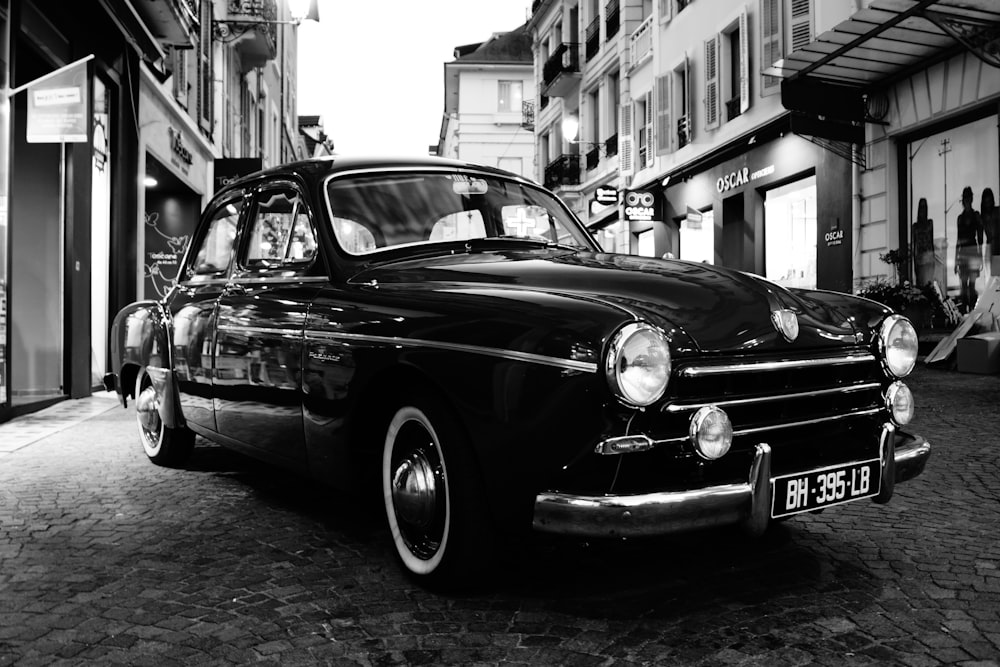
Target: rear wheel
[
  {"x": 433, "y": 502},
  {"x": 164, "y": 446}
]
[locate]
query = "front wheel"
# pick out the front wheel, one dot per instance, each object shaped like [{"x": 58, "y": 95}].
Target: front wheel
[
  {"x": 433, "y": 502},
  {"x": 164, "y": 446}
]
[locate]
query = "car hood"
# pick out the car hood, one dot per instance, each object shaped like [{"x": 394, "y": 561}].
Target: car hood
[{"x": 703, "y": 307}]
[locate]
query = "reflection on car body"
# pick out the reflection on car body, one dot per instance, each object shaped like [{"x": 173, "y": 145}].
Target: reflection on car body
[{"x": 452, "y": 337}]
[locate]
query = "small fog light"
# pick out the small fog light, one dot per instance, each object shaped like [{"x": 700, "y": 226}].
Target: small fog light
[
  {"x": 899, "y": 402},
  {"x": 711, "y": 432}
]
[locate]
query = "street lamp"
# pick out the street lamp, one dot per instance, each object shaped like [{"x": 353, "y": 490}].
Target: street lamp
[{"x": 570, "y": 128}]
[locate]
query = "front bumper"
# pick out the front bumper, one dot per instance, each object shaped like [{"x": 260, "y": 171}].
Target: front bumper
[{"x": 748, "y": 505}]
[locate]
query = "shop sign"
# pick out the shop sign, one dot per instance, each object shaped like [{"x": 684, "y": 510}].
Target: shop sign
[
  {"x": 735, "y": 179},
  {"x": 57, "y": 105},
  {"x": 834, "y": 237},
  {"x": 606, "y": 196},
  {"x": 179, "y": 153},
  {"x": 639, "y": 206},
  {"x": 228, "y": 170}
]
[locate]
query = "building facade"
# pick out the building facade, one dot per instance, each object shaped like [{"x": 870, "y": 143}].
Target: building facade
[
  {"x": 120, "y": 118},
  {"x": 676, "y": 128},
  {"x": 487, "y": 117}
]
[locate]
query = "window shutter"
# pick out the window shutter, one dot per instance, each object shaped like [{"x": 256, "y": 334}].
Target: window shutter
[
  {"x": 712, "y": 82},
  {"x": 770, "y": 41},
  {"x": 650, "y": 146},
  {"x": 744, "y": 61},
  {"x": 801, "y": 23},
  {"x": 663, "y": 129},
  {"x": 625, "y": 140},
  {"x": 689, "y": 125}
]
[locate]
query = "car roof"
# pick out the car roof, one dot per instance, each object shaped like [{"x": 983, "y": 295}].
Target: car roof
[{"x": 331, "y": 164}]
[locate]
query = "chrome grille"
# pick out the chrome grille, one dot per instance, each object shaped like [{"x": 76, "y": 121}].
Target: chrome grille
[{"x": 772, "y": 395}]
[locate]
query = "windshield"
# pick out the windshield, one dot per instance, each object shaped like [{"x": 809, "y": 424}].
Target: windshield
[{"x": 372, "y": 212}]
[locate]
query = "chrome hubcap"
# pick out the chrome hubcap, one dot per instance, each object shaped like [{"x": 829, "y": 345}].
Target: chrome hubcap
[
  {"x": 414, "y": 491},
  {"x": 147, "y": 414}
]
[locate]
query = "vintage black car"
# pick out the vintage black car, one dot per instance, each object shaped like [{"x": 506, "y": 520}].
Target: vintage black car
[{"x": 450, "y": 337}]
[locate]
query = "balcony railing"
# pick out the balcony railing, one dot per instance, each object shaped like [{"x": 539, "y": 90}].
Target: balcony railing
[
  {"x": 733, "y": 108},
  {"x": 593, "y": 37},
  {"x": 528, "y": 115},
  {"x": 612, "y": 20},
  {"x": 611, "y": 145},
  {"x": 245, "y": 25},
  {"x": 683, "y": 131},
  {"x": 593, "y": 157},
  {"x": 641, "y": 42},
  {"x": 564, "y": 170},
  {"x": 564, "y": 60}
]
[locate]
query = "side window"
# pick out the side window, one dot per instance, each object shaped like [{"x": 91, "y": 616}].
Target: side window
[
  {"x": 280, "y": 233},
  {"x": 216, "y": 245}
]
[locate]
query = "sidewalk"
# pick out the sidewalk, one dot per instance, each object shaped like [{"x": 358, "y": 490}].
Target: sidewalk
[{"x": 22, "y": 431}]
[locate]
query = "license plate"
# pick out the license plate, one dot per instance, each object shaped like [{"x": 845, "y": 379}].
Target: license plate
[{"x": 824, "y": 487}]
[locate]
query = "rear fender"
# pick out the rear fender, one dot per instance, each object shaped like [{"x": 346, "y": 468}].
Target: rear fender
[{"x": 140, "y": 339}]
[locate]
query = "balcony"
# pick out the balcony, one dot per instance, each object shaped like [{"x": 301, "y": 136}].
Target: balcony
[
  {"x": 561, "y": 72},
  {"x": 241, "y": 25},
  {"x": 593, "y": 157},
  {"x": 564, "y": 170},
  {"x": 733, "y": 108},
  {"x": 612, "y": 20},
  {"x": 528, "y": 115},
  {"x": 172, "y": 22},
  {"x": 683, "y": 131},
  {"x": 641, "y": 42},
  {"x": 593, "y": 38}
]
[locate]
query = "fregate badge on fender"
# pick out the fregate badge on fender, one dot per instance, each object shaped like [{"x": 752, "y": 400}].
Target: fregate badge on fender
[{"x": 786, "y": 322}]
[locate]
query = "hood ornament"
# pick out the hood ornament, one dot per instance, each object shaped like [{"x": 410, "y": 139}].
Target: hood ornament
[{"x": 786, "y": 323}]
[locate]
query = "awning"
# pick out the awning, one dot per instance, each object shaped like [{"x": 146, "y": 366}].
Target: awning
[{"x": 891, "y": 38}]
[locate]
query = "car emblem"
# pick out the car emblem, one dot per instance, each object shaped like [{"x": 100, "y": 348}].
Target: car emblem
[{"x": 786, "y": 322}]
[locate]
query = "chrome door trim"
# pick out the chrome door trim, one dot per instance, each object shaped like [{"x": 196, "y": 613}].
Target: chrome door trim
[{"x": 514, "y": 355}]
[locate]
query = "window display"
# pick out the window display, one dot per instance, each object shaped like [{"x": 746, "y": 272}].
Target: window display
[
  {"x": 953, "y": 179},
  {"x": 790, "y": 234}
]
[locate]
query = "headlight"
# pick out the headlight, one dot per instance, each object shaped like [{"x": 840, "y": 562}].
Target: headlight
[
  {"x": 899, "y": 402},
  {"x": 897, "y": 340},
  {"x": 638, "y": 364},
  {"x": 711, "y": 432}
]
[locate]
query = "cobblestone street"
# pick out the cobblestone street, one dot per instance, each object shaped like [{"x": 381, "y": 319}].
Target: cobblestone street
[{"x": 106, "y": 558}]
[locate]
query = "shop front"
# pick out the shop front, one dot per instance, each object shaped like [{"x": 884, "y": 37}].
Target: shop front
[
  {"x": 780, "y": 209},
  {"x": 177, "y": 167}
]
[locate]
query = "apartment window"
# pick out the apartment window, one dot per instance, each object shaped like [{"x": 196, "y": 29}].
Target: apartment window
[
  {"x": 509, "y": 96},
  {"x": 735, "y": 74},
  {"x": 681, "y": 104},
  {"x": 771, "y": 44},
  {"x": 644, "y": 118},
  {"x": 594, "y": 129},
  {"x": 205, "y": 72},
  {"x": 663, "y": 87}
]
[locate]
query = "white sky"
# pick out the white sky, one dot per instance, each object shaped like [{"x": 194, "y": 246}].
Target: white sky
[{"x": 374, "y": 69}]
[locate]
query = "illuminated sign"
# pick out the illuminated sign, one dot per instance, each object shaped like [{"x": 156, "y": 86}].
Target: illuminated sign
[
  {"x": 639, "y": 206},
  {"x": 735, "y": 179},
  {"x": 606, "y": 196}
]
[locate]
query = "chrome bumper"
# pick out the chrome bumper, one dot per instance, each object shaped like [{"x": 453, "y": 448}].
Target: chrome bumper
[{"x": 747, "y": 505}]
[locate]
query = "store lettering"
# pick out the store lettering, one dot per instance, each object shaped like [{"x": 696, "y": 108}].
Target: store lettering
[
  {"x": 178, "y": 147},
  {"x": 639, "y": 213},
  {"x": 836, "y": 237},
  {"x": 741, "y": 177}
]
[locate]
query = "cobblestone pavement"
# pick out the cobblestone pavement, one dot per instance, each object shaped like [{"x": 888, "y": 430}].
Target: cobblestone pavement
[{"x": 106, "y": 558}]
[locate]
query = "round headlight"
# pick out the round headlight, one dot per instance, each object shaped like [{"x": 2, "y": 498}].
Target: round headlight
[
  {"x": 711, "y": 432},
  {"x": 899, "y": 402},
  {"x": 638, "y": 364},
  {"x": 898, "y": 345}
]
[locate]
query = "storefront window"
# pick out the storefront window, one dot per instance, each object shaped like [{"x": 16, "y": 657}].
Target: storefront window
[
  {"x": 790, "y": 234},
  {"x": 697, "y": 237},
  {"x": 954, "y": 179},
  {"x": 645, "y": 244},
  {"x": 613, "y": 237}
]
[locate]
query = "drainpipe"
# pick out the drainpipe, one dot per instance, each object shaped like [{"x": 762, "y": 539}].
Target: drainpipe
[{"x": 856, "y": 199}]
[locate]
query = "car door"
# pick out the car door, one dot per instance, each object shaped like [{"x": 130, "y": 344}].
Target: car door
[
  {"x": 193, "y": 306},
  {"x": 261, "y": 322}
]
